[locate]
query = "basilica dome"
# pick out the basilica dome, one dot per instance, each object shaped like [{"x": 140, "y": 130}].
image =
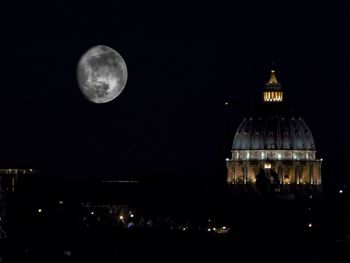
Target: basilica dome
[
  {"x": 273, "y": 146},
  {"x": 272, "y": 131}
]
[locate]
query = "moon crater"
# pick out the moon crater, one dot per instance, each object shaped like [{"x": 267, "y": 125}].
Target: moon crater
[{"x": 102, "y": 74}]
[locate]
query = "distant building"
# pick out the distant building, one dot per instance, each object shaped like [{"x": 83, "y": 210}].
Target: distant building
[
  {"x": 9, "y": 177},
  {"x": 274, "y": 146}
]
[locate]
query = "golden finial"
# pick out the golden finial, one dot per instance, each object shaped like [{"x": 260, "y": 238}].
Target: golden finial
[{"x": 273, "y": 79}]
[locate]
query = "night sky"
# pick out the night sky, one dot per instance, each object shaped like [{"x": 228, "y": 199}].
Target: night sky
[{"x": 184, "y": 61}]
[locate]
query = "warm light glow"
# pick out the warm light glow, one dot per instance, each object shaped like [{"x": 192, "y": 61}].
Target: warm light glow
[
  {"x": 267, "y": 166},
  {"x": 92, "y": 213},
  {"x": 39, "y": 210},
  {"x": 273, "y": 96},
  {"x": 340, "y": 191},
  {"x": 121, "y": 217},
  {"x": 131, "y": 215},
  {"x": 310, "y": 225}
]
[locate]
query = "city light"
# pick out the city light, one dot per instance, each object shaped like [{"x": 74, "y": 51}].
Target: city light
[
  {"x": 121, "y": 217},
  {"x": 92, "y": 213},
  {"x": 40, "y": 210},
  {"x": 310, "y": 225},
  {"x": 131, "y": 215},
  {"x": 60, "y": 202},
  {"x": 340, "y": 191}
]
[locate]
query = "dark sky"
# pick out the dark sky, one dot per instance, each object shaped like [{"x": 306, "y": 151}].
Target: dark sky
[{"x": 184, "y": 61}]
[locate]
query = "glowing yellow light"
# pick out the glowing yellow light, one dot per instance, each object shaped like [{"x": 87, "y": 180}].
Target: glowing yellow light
[
  {"x": 39, "y": 210},
  {"x": 121, "y": 217},
  {"x": 310, "y": 225},
  {"x": 270, "y": 96},
  {"x": 267, "y": 166},
  {"x": 226, "y": 103}
]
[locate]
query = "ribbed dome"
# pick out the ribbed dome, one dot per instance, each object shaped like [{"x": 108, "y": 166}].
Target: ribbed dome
[
  {"x": 273, "y": 143},
  {"x": 278, "y": 132}
]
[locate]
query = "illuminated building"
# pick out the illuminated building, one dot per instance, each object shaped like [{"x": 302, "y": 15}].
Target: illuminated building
[{"x": 275, "y": 142}]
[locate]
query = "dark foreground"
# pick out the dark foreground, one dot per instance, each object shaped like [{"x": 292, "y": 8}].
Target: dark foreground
[
  {"x": 144, "y": 246},
  {"x": 177, "y": 227}
]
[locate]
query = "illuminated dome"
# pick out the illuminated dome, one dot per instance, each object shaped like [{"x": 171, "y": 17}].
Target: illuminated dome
[
  {"x": 273, "y": 133},
  {"x": 274, "y": 138}
]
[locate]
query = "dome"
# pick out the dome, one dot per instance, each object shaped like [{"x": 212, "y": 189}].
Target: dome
[
  {"x": 273, "y": 133},
  {"x": 273, "y": 143}
]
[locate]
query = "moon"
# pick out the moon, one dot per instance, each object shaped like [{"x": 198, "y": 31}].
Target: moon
[{"x": 102, "y": 74}]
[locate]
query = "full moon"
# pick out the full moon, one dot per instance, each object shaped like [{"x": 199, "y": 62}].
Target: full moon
[{"x": 102, "y": 74}]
